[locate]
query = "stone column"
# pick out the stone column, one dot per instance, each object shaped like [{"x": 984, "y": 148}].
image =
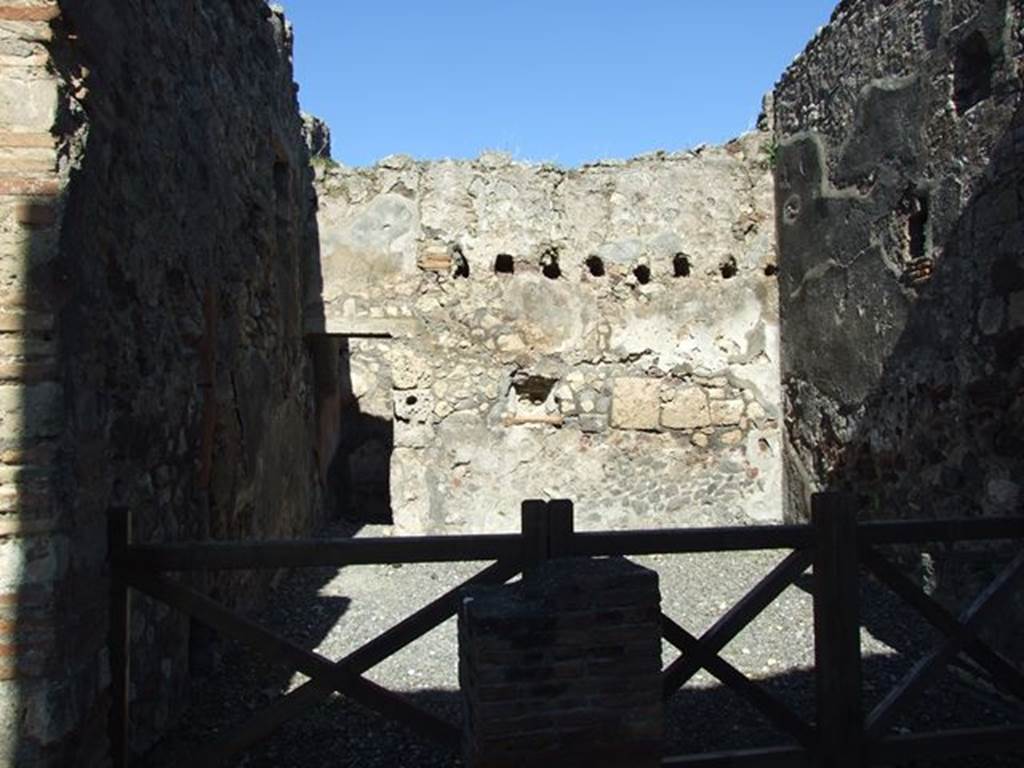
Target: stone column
[{"x": 563, "y": 668}]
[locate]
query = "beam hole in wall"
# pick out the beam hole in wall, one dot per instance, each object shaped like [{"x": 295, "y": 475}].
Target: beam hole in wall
[
  {"x": 771, "y": 270},
  {"x": 595, "y": 265},
  {"x": 680, "y": 265},
  {"x": 972, "y": 72},
  {"x": 549, "y": 264},
  {"x": 642, "y": 273},
  {"x": 533, "y": 389},
  {"x": 728, "y": 267},
  {"x": 916, "y": 205},
  {"x": 411, "y": 400},
  {"x": 459, "y": 263},
  {"x": 504, "y": 264}
]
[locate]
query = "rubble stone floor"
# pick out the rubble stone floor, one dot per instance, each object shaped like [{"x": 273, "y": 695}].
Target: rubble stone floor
[{"x": 334, "y": 611}]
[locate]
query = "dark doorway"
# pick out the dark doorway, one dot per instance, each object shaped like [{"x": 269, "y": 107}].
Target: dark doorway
[{"x": 360, "y": 474}]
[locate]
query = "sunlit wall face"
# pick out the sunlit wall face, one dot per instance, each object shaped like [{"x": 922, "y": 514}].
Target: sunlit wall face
[{"x": 34, "y": 548}]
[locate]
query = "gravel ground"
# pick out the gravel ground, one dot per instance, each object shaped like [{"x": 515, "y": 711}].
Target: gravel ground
[{"x": 335, "y": 611}]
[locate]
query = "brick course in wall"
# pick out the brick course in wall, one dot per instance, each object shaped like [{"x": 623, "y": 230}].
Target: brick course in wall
[
  {"x": 156, "y": 233},
  {"x": 35, "y": 642},
  {"x": 563, "y": 668}
]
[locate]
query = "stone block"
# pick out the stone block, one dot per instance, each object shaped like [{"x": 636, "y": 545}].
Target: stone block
[
  {"x": 410, "y": 493},
  {"x": 687, "y": 410},
  {"x": 732, "y": 438},
  {"x": 409, "y": 370},
  {"x": 413, "y": 435},
  {"x": 27, "y": 104},
  {"x": 593, "y": 423},
  {"x": 636, "y": 403},
  {"x": 415, "y": 406},
  {"x": 755, "y": 411},
  {"x": 727, "y": 411},
  {"x": 37, "y": 12}
]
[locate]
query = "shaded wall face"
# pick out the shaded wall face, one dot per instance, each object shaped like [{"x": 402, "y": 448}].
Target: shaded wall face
[
  {"x": 901, "y": 234},
  {"x": 168, "y": 258},
  {"x": 607, "y": 334}
]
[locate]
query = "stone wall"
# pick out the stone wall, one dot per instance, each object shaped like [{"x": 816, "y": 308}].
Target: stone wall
[
  {"x": 156, "y": 223},
  {"x": 900, "y": 238},
  {"x": 901, "y": 255},
  {"x": 606, "y": 334}
]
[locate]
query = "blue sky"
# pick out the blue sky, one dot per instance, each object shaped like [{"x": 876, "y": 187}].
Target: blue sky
[{"x": 566, "y": 81}]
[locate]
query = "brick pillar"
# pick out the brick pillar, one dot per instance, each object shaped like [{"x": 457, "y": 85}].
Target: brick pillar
[
  {"x": 51, "y": 639},
  {"x": 563, "y": 668}
]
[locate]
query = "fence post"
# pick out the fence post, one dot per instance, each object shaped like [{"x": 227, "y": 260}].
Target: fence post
[
  {"x": 119, "y": 534},
  {"x": 560, "y": 528},
  {"x": 837, "y": 631},
  {"x": 534, "y": 532}
]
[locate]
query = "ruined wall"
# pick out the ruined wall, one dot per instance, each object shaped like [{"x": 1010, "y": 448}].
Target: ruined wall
[
  {"x": 901, "y": 242},
  {"x": 606, "y": 334},
  {"x": 156, "y": 223},
  {"x": 901, "y": 251}
]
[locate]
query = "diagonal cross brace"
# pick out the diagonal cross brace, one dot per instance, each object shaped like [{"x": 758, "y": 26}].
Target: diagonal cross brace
[
  {"x": 278, "y": 649},
  {"x": 772, "y": 708},
  {"x": 313, "y": 692},
  {"x": 738, "y": 617},
  {"x": 1004, "y": 673},
  {"x": 919, "y": 677}
]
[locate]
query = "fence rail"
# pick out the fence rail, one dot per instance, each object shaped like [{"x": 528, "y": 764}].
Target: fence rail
[{"x": 834, "y": 544}]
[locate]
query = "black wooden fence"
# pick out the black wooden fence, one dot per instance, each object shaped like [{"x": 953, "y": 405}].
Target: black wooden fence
[{"x": 834, "y": 544}]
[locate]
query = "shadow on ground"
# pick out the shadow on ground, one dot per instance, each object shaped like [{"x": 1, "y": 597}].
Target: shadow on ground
[{"x": 341, "y": 733}]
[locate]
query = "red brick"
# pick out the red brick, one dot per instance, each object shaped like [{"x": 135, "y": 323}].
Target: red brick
[
  {"x": 24, "y": 163},
  {"x": 34, "y": 140}
]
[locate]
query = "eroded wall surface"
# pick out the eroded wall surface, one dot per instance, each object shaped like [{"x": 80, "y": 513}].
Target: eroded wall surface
[
  {"x": 156, "y": 225},
  {"x": 901, "y": 241},
  {"x": 607, "y": 334}
]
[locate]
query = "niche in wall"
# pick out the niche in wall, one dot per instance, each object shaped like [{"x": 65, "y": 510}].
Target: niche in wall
[
  {"x": 680, "y": 265},
  {"x": 504, "y": 264},
  {"x": 549, "y": 264},
  {"x": 460, "y": 266},
  {"x": 972, "y": 72}
]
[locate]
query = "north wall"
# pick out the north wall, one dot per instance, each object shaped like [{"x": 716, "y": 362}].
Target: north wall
[{"x": 607, "y": 334}]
